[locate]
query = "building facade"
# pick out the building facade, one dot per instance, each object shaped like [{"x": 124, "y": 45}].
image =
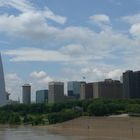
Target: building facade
[
  {"x": 108, "y": 89},
  {"x": 73, "y": 88},
  {"x": 104, "y": 89},
  {"x": 41, "y": 96},
  {"x": 131, "y": 84},
  {"x": 86, "y": 91},
  {"x": 26, "y": 94},
  {"x": 3, "y": 100},
  {"x": 56, "y": 92}
]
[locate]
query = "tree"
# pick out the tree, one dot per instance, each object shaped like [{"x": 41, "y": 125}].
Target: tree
[{"x": 98, "y": 109}]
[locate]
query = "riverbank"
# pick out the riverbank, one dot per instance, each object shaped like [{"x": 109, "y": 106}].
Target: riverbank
[{"x": 115, "y": 127}]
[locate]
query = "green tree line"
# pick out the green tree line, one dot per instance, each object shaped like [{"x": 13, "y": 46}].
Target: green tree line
[{"x": 56, "y": 113}]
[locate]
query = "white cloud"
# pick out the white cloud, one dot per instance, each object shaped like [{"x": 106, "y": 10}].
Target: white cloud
[
  {"x": 50, "y": 15},
  {"x": 27, "y": 7},
  {"x": 35, "y": 54},
  {"x": 135, "y": 30},
  {"x": 21, "y": 5},
  {"x": 114, "y": 74},
  {"x": 100, "y": 18},
  {"x": 132, "y": 19},
  {"x": 94, "y": 73},
  {"x": 41, "y": 77},
  {"x": 39, "y": 74},
  {"x": 45, "y": 80},
  {"x": 30, "y": 22},
  {"x": 31, "y": 25},
  {"x": 73, "y": 49}
]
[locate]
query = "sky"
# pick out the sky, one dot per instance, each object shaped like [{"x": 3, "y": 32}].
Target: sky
[{"x": 64, "y": 40}]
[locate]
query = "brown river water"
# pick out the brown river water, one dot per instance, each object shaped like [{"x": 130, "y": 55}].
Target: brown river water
[
  {"x": 29, "y": 133},
  {"x": 39, "y": 133}
]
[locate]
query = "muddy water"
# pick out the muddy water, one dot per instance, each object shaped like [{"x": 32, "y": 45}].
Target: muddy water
[
  {"x": 36, "y": 133},
  {"x": 29, "y": 133}
]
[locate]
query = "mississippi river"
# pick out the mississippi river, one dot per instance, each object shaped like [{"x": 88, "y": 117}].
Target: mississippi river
[{"x": 30, "y": 133}]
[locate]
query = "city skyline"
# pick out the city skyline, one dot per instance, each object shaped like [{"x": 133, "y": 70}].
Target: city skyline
[{"x": 43, "y": 41}]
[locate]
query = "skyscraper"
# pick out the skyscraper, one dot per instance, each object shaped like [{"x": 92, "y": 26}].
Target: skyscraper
[
  {"x": 86, "y": 91},
  {"x": 42, "y": 96},
  {"x": 74, "y": 89},
  {"x": 26, "y": 94},
  {"x": 108, "y": 89},
  {"x": 131, "y": 84},
  {"x": 56, "y": 92},
  {"x": 3, "y": 100},
  {"x": 103, "y": 89}
]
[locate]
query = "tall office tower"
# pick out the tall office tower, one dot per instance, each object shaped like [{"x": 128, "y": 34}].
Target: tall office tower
[
  {"x": 56, "y": 92},
  {"x": 86, "y": 91},
  {"x": 131, "y": 84},
  {"x": 73, "y": 88},
  {"x": 3, "y": 100},
  {"x": 108, "y": 89},
  {"x": 41, "y": 96},
  {"x": 26, "y": 94}
]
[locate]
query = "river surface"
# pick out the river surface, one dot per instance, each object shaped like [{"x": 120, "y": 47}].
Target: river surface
[
  {"x": 30, "y": 133},
  {"x": 39, "y": 133}
]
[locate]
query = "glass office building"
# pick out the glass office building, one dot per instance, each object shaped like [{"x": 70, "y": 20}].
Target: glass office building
[
  {"x": 41, "y": 96},
  {"x": 74, "y": 88}
]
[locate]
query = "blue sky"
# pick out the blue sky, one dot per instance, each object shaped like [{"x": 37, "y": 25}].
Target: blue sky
[{"x": 47, "y": 40}]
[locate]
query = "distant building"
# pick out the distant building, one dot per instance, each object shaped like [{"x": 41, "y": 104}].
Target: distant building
[
  {"x": 104, "y": 89},
  {"x": 26, "y": 94},
  {"x": 108, "y": 89},
  {"x": 73, "y": 88},
  {"x": 42, "y": 96},
  {"x": 13, "y": 102},
  {"x": 56, "y": 92},
  {"x": 69, "y": 98},
  {"x": 131, "y": 84},
  {"x": 86, "y": 91},
  {"x": 3, "y": 95}
]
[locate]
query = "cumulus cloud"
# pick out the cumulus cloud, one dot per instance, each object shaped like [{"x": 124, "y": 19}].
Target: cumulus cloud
[
  {"x": 35, "y": 54},
  {"x": 27, "y": 7},
  {"x": 73, "y": 49},
  {"x": 22, "y": 5},
  {"x": 94, "y": 73},
  {"x": 134, "y": 21},
  {"x": 100, "y": 18},
  {"x": 114, "y": 74},
  {"x": 39, "y": 74},
  {"x": 30, "y": 22},
  {"x": 135, "y": 30}
]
